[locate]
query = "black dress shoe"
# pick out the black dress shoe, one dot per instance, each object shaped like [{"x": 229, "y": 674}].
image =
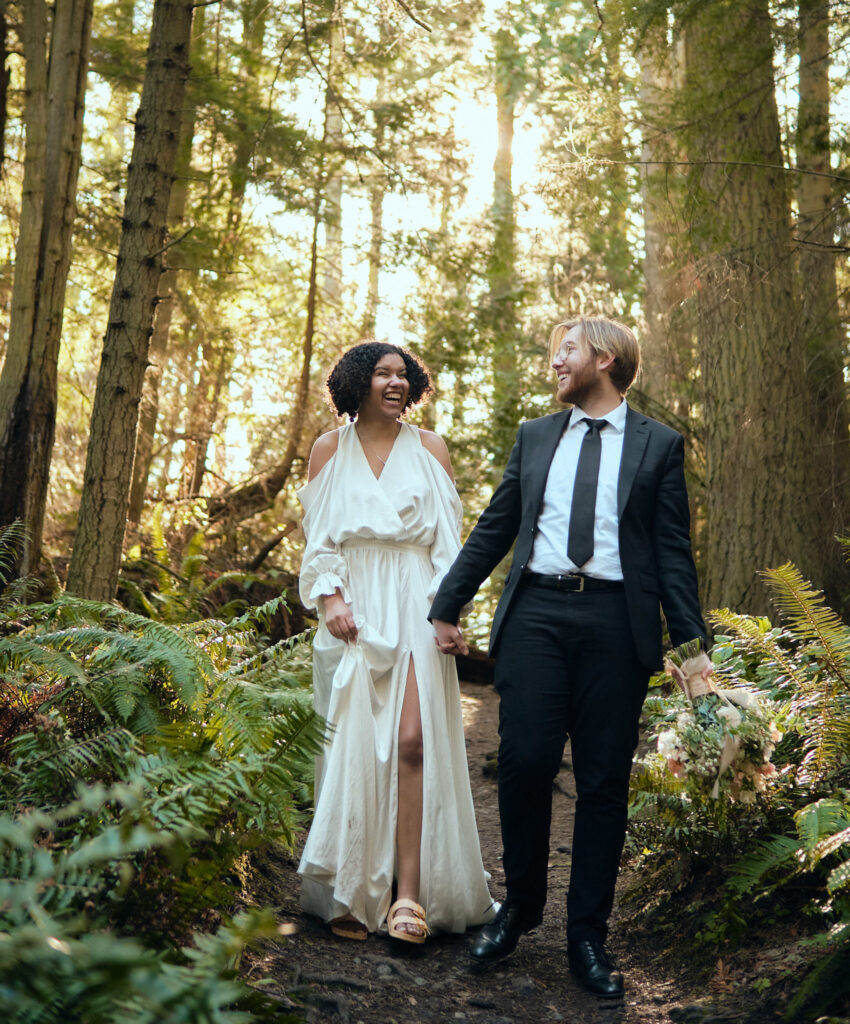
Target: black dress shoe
[
  {"x": 499, "y": 938},
  {"x": 592, "y": 966}
]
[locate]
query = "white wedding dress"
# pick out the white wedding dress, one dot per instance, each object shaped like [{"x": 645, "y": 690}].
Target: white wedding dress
[{"x": 386, "y": 543}]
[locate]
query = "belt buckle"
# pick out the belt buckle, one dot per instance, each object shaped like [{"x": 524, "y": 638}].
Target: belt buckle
[{"x": 569, "y": 578}]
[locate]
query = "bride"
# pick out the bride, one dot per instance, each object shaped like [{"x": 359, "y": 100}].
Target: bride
[{"x": 393, "y": 802}]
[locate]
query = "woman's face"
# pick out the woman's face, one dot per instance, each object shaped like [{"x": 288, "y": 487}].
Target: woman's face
[{"x": 389, "y": 388}]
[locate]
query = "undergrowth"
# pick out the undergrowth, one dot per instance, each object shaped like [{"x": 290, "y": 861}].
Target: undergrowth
[
  {"x": 140, "y": 762},
  {"x": 726, "y": 868}
]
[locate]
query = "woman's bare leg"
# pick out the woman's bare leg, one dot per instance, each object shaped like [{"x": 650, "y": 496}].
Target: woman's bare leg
[{"x": 409, "y": 826}]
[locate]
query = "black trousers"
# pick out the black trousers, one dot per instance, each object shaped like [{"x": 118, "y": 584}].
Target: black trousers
[{"x": 567, "y": 666}]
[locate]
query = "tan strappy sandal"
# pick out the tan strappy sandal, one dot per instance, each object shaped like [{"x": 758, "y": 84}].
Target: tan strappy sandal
[{"x": 406, "y": 912}]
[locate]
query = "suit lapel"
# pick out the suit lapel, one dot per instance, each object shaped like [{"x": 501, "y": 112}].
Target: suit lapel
[
  {"x": 542, "y": 458},
  {"x": 634, "y": 443}
]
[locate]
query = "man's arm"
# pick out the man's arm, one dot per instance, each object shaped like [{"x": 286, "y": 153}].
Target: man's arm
[
  {"x": 487, "y": 544},
  {"x": 674, "y": 558}
]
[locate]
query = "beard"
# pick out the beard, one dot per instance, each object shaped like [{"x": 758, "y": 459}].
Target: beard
[{"x": 579, "y": 385}]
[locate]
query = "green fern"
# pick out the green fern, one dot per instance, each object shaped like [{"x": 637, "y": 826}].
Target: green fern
[
  {"x": 12, "y": 538},
  {"x": 153, "y": 757},
  {"x": 805, "y": 609},
  {"x": 760, "y": 643},
  {"x": 826, "y": 817},
  {"x": 770, "y": 865}
]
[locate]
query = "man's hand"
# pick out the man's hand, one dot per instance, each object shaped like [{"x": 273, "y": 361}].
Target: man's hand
[
  {"x": 449, "y": 638},
  {"x": 338, "y": 618}
]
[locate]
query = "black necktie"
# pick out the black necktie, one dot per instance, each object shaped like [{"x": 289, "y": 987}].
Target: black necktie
[{"x": 583, "y": 512}]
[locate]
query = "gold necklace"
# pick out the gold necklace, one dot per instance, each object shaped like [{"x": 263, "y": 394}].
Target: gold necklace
[{"x": 371, "y": 450}]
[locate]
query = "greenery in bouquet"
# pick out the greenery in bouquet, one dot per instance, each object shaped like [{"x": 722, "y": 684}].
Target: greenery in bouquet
[
  {"x": 693, "y": 748},
  {"x": 714, "y": 742}
]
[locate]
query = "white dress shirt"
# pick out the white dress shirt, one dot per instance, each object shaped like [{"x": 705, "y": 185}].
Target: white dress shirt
[{"x": 549, "y": 554}]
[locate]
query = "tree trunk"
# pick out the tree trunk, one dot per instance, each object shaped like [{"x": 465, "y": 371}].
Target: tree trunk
[
  {"x": 5, "y": 75},
  {"x": 662, "y": 366},
  {"x": 213, "y": 368},
  {"x": 821, "y": 317},
  {"x": 333, "y": 145},
  {"x": 761, "y": 505},
  {"x": 158, "y": 353},
  {"x": 96, "y": 558},
  {"x": 216, "y": 352},
  {"x": 258, "y": 496},
  {"x": 28, "y": 383},
  {"x": 501, "y": 269},
  {"x": 377, "y": 188}
]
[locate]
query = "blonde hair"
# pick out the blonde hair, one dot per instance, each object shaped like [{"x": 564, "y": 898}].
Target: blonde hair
[{"x": 605, "y": 338}]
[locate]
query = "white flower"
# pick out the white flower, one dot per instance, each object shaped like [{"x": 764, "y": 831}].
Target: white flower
[
  {"x": 731, "y": 716},
  {"x": 667, "y": 745}
]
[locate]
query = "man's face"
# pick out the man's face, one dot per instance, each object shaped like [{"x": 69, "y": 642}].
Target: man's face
[{"x": 575, "y": 363}]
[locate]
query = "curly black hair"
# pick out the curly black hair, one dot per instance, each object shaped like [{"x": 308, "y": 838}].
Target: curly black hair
[{"x": 350, "y": 380}]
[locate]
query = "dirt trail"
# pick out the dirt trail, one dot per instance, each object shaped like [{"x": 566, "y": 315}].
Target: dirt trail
[{"x": 324, "y": 978}]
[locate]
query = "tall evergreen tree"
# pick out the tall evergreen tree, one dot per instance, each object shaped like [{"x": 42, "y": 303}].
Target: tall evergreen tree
[
  {"x": 96, "y": 557},
  {"x": 55, "y": 87},
  {"x": 762, "y": 501},
  {"x": 821, "y": 322}
]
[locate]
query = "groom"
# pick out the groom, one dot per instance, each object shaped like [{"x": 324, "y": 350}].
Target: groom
[{"x": 594, "y": 499}]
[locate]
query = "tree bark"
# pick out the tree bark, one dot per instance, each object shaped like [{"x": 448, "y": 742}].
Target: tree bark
[
  {"x": 377, "y": 188},
  {"x": 501, "y": 316},
  {"x": 255, "y": 497},
  {"x": 5, "y": 75},
  {"x": 158, "y": 353},
  {"x": 663, "y": 367},
  {"x": 96, "y": 557},
  {"x": 761, "y": 503},
  {"x": 215, "y": 352},
  {"x": 821, "y": 317},
  {"x": 28, "y": 383},
  {"x": 333, "y": 144}
]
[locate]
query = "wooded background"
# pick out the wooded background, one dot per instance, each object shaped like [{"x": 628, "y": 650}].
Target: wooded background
[{"x": 204, "y": 205}]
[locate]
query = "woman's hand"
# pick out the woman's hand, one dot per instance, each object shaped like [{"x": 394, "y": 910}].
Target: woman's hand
[{"x": 338, "y": 618}]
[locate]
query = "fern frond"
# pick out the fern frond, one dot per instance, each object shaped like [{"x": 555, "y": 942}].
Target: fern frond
[
  {"x": 832, "y": 843},
  {"x": 12, "y": 538},
  {"x": 765, "y": 860},
  {"x": 138, "y": 595},
  {"x": 839, "y": 878},
  {"x": 808, "y": 615},
  {"x": 747, "y": 628},
  {"x": 822, "y": 818},
  {"x": 44, "y": 765},
  {"x": 20, "y": 648}
]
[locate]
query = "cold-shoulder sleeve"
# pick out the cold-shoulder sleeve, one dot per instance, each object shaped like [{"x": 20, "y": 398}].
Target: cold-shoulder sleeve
[
  {"x": 323, "y": 568},
  {"x": 446, "y": 543}
]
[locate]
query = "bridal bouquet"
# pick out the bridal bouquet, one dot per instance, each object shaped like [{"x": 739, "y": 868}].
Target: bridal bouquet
[{"x": 723, "y": 741}]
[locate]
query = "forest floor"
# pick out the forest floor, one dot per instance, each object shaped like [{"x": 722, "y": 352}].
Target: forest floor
[{"x": 319, "y": 977}]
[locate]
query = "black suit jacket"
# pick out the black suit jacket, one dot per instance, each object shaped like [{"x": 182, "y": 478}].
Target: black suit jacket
[{"x": 655, "y": 544}]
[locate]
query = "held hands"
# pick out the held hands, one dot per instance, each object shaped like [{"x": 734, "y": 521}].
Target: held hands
[
  {"x": 449, "y": 638},
  {"x": 338, "y": 618}
]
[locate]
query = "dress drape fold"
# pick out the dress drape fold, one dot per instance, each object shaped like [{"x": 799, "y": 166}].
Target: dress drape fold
[{"x": 386, "y": 543}]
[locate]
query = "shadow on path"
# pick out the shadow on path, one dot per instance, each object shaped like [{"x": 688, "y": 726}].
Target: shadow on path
[{"x": 324, "y": 978}]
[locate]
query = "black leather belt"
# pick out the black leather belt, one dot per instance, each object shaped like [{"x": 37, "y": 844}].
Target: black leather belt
[{"x": 571, "y": 582}]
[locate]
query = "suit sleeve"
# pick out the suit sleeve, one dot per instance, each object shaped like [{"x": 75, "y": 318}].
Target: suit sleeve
[
  {"x": 487, "y": 544},
  {"x": 674, "y": 558}
]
